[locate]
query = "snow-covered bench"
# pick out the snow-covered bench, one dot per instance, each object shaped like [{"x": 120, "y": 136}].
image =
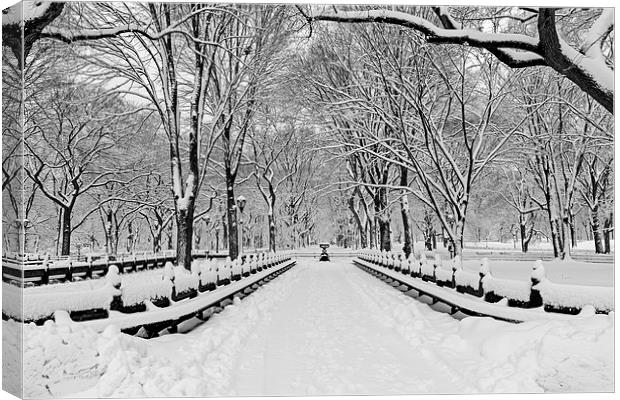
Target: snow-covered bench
[
  {"x": 536, "y": 293},
  {"x": 125, "y": 293}
]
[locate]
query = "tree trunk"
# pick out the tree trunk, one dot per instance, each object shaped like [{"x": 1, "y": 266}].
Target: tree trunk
[
  {"x": 157, "y": 240},
  {"x": 456, "y": 248},
  {"x": 372, "y": 230},
  {"x": 361, "y": 227},
  {"x": 607, "y": 232},
  {"x": 596, "y": 232},
  {"x": 404, "y": 211},
  {"x": 114, "y": 234},
  {"x": 169, "y": 234},
  {"x": 59, "y": 231},
  {"x": 231, "y": 208},
  {"x": 383, "y": 219},
  {"x": 224, "y": 232},
  {"x": 185, "y": 223},
  {"x": 272, "y": 230},
  {"x": 558, "y": 238},
  {"x": 384, "y": 233},
  {"x": 544, "y": 174},
  {"x": 66, "y": 232},
  {"x": 573, "y": 231},
  {"x": 523, "y": 233}
]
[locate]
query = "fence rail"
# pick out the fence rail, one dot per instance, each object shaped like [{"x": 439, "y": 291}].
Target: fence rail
[{"x": 41, "y": 270}]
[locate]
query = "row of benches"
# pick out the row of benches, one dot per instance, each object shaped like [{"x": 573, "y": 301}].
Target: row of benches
[{"x": 29, "y": 271}]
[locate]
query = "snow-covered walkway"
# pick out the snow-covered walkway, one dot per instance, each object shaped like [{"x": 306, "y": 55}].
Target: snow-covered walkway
[
  {"x": 326, "y": 338},
  {"x": 321, "y": 328}
]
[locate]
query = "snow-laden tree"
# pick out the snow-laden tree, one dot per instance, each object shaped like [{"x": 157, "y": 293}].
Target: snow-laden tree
[
  {"x": 558, "y": 136},
  {"x": 270, "y": 136},
  {"x": 194, "y": 65},
  {"x": 242, "y": 77},
  {"x": 71, "y": 152},
  {"x": 595, "y": 186},
  {"x": 348, "y": 95},
  {"x": 527, "y": 37}
]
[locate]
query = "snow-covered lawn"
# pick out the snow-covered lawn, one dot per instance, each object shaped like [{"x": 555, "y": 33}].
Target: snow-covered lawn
[
  {"x": 567, "y": 272},
  {"x": 585, "y": 245},
  {"x": 322, "y": 328}
]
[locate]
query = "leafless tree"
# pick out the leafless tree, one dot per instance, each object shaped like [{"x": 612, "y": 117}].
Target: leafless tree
[{"x": 583, "y": 57}]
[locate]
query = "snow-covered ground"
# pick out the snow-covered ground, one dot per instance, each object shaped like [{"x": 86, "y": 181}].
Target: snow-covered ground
[
  {"x": 322, "y": 328},
  {"x": 584, "y": 245},
  {"x": 558, "y": 271}
]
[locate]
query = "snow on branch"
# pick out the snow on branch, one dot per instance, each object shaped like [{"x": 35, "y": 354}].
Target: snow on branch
[
  {"x": 433, "y": 32},
  {"x": 67, "y": 36},
  {"x": 585, "y": 67},
  {"x": 603, "y": 26}
]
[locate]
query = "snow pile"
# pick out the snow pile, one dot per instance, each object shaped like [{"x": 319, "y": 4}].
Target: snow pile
[
  {"x": 139, "y": 287},
  {"x": 466, "y": 278},
  {"x": 601, "y": 298},
  {"x": 510, "y": 289},
  {"x": 62, "y": 356},
  {"x": 184, "y": 280},
  {"x": 427, "y": 268},
  {"x": 443, "y": 274},
  {"x": 236, "y": 267},
  {"x": 208, "y": 275},
  {"x": 62, "y": 263},
  {"x": 207, "y": 270},
  {"x": 42, "y": 302},
  {"x": 12, "y": 365},
  {"x": 12, "y": 300},
  {"x": 565, "y": 356}
]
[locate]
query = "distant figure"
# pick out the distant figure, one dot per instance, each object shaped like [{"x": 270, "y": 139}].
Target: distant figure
[{"x": 324, "y": 256}]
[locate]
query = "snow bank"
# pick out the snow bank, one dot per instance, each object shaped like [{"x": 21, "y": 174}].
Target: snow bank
[
  {"x": 538, "y": 356},
  {"x": 601, "y": 298},
  {"x": 60, "y": 357},
  {"x": 111, "y": 364}
]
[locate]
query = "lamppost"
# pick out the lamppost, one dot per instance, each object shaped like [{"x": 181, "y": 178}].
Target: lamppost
[
  {"x": 217, "y": 238},
  {"x": 240, "y": 206}
]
